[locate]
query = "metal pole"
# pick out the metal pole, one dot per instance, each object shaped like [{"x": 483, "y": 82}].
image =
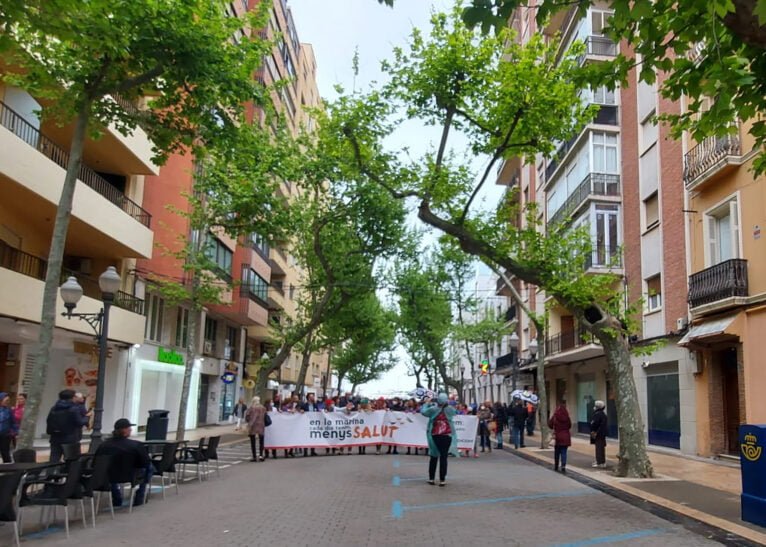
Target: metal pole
[{"x": 103, "y": 335}]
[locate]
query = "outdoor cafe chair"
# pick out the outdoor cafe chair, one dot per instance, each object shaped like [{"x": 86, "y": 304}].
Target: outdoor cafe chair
[
  {"x": 9, "y": 485},
  {"x": 211, "y": 452},
  {"x": 194, "y": 455},
  {"x": 166, "y": 464},
  {"x": 123, "y": 471},
  {"x": 57, "y": 491},
  {"x": 96, "y": 482}
]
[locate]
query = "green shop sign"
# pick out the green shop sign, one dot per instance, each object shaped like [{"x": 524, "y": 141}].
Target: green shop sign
[{"x": 169, "y": 356}]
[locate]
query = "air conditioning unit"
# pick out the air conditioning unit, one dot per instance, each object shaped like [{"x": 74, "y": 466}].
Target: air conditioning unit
[
  {"x": 682, "y": 323},
  {"x": 207, "y": 347}
]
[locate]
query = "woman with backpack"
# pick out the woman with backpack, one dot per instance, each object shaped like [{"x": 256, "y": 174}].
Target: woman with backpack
[{"x": 442, "y": 437}]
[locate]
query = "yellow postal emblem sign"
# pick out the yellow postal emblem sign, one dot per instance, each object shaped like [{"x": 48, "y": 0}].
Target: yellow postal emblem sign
[{"x": 750, "y": 448}]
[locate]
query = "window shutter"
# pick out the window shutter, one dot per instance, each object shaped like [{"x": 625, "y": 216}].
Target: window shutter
[
  {"x": 734, "y": 216},
  {"x": 712, "y": 229}
]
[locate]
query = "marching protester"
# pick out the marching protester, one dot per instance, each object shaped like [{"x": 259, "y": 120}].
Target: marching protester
[
  {"x": 599, "y": 427},
  {"x": 519, "y": 418},
  {"x": 380, "y": 404},
  {"x": 269, "y": 407},
  {"x": 561, "y": 424},
  {"x": 310, "y": 406},
  {"x": 364, "y": 406},
  {"x": 531, "y": 409},
  {"x": 500, "y": 421},
  {"x": 442, "y": 438},
  {"x": 239, "y": 413},
  {"x": 485, "y": 419},
  {"x": 255, "y": 416}
]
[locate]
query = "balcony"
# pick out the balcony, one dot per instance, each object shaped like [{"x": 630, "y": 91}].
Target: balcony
[
  {"x": 570, "y": 346},
  {"x": 600, "y": 46},
  {"x": 594, "y": 184},
  {"x": 725, "y": 280},
  {"x": 710, "y": 156},
  {"x": 33, "y": 266},
  {"x": 33, "y": 137},
  {"x": 604, "y": 257}
]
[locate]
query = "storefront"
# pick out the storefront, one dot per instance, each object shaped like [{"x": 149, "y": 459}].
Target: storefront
[{"x": 157, "y": 381}]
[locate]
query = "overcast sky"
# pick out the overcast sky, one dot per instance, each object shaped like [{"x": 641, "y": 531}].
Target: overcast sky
[{"x": 336, "y": 28}]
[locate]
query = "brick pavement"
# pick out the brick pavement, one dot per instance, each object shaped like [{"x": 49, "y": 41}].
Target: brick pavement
[{"x": 497, "y": 499}]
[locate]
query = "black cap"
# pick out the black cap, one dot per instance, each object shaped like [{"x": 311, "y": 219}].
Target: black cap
[{"x": 122, "y": 423}]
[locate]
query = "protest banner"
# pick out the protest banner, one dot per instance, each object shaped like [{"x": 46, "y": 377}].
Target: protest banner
[{"x": 336, "y": 429}]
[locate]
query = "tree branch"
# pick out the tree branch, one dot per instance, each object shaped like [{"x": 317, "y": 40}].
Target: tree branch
[
  {"x": 141, "y": 79},
  {"x": 373, "y": 176}
]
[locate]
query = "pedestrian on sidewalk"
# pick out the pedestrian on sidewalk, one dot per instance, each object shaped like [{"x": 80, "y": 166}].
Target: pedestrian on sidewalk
[
  {"x": 519, "y": 417},
  {"x": 256, "y": 426},
  {"x": 561, "y": 424},
  {"x": 442, "y": 439},
  {"x": 500, "y": 420},
  {"x": 485, "y": 418},
  {"x": 599, "y": 426},
  {"x": 8, "y": 427},
  {"x": 239, "y": 413},
  {"x": 64, "y": 424},
  {"x": 18, "y": 413}
]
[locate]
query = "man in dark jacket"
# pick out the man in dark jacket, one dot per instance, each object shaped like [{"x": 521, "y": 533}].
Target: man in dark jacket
[
  {"x": 64, "y": 423},
  {"x": 599, "y": 427},
  {"x": 125, "y": 451},
  {"x": 518, "y": 414},
  {"x": 8, "y": 427}
]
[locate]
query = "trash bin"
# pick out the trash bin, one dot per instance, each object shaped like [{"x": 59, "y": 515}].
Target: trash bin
[
  {"x": 752, "y": 443},
  {"x": 157, "y": 425}
]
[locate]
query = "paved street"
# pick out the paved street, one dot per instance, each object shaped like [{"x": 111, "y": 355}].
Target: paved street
[{"x": 497, "y": 499}]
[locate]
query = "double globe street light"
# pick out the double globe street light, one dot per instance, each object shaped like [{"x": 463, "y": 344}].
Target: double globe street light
[{"x": 109, "y": 282}]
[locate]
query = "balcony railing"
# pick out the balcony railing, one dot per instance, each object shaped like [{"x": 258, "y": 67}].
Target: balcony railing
[
  {"x": 601, "y": 46},
  {"x": 707, "y": 154},
  {"x": 607, "y": 115},
  {"x": 567, "y": 340},
  {"x": 34, "y": 138},
  {"x": 562, "y": 150},
  {"x": 36, "y": 267},
  {"x": 594, "y": 184},
  {"x": 724, "y": 280},
  {"x": 603, "y": 256}
]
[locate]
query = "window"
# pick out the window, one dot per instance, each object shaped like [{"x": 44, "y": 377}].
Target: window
[
  {"x": 607, "y": 235},
  {"x": 605, "y": 153},
  {"x": 182, "y": 327},
  {"x": 603, "y": 95},
  {"x": 219, "y": 253},
  {"x": 722, "y": 227},
  {"x": 154, "y": 318},
  {"x": 211, "y": 332},
  {"x": 599, "y": 20},
  {"x": 231, "y": 343},
  {"x": 654, "y": 293},
  {"x": 649, "y": 132},
  {"x": 259, "y": 243},
  {"x": 256, "y": 285},
  {"x": 292, "y": 292},
  {"x": 652, "y": 211}
]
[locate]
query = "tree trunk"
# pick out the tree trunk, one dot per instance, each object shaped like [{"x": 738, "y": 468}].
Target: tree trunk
[
  {"x": 633, "y": 460},
  {"x": 191, "y": 356},
  {"x": 341, "y": 376},
  {"x": 305, "y": 362},
  {"x": 52, "y": 281}
]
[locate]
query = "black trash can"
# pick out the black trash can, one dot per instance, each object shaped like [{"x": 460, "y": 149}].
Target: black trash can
[{"x": 157, "y": 425}]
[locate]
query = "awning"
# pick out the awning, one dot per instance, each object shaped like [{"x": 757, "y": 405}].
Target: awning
[{"x": 710, "y": 330}]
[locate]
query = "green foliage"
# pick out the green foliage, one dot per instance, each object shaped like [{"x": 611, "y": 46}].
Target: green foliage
[{"x": 711, "y": 53}]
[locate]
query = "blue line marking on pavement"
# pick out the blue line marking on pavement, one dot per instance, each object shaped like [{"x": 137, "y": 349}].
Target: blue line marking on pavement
[
  {"x": 395, "y": 481},
  {"x": 399, "y": 509},
  {"x": 611, "y": 539},
  {"x": 396, "y": 463}
]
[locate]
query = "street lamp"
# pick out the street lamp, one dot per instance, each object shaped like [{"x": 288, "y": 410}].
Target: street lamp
[
  {"x": 513, "y": 342},
  {"x": 532, "y": 348},
  {"x": 71, "y": 292}
]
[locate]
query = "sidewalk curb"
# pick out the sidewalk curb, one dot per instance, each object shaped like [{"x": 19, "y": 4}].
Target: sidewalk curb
[{"x": 700, "y": 523}]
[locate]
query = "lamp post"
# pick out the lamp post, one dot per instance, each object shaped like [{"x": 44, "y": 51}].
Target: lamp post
[
  {"x": 71, "y": 292},
  {"x": 513, "y": 342}
]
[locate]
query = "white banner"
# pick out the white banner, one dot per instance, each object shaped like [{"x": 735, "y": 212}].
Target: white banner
[{"x": 333, "y": 429}]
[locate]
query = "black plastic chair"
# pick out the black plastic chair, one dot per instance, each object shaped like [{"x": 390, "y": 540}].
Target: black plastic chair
[
  {"x": 166, "y": 464},
  {"x": 211, "y": 452},
  {"x": 96, "y": 482},
  {"x": 25, "y": 455},
  {"x": 123, "y": 471},
  {"x": 9, "y": 485},
  {"x": 71, "y": 451},
  {"x": 56, "y": 493},
  {"x": 193, "y": 456}
]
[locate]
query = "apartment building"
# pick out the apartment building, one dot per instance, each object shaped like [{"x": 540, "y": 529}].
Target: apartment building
[
  {"x": 658, "y": 210},
  {"x": 727, "y": 286},
  {"x": 108, "y": 227}
]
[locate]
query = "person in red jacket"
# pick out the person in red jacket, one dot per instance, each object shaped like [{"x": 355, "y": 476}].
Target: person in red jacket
[{"x": 561, "y": 424}]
